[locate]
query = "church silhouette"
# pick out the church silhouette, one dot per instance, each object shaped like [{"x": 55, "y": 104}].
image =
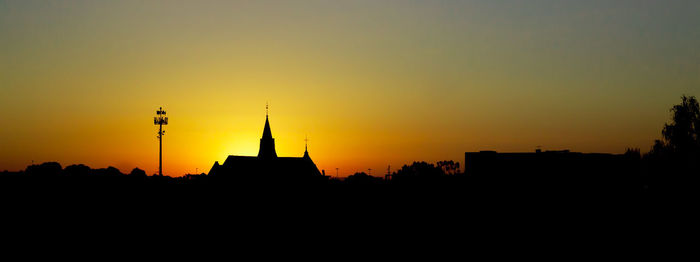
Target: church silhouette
[{"x": 267, "y": 165}]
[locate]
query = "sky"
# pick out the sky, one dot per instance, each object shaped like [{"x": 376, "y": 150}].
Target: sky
[{"x": 371, "y": 83}]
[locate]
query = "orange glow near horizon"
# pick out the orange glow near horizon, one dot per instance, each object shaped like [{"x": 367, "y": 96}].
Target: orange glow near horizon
[{"x": 372, "y": 83}]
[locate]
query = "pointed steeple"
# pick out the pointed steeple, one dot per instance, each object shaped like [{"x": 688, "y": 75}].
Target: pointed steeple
[
  {"x": 267, "y": 143},
  {"x": 306, "y": 147},
  {"x": 267, "y": 133}
]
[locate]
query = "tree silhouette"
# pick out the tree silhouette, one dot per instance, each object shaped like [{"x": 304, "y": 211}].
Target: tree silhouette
[
  {"x": 79, "y": 170},
  {"x": 418, "y": 171},
  {"x": 634, "y": 153},
  {"x": 681, "y": 135},
  {"x": 137, "y": 172},
  {"x": 450, "y": 167},
  {"x": 674, "y": 162},
  {"x": 48, "y": 169},
  {"x": 362, "y": 178}
]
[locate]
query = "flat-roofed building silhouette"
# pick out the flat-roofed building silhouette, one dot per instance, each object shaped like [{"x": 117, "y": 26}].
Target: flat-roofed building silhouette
[
  {"x": 561, "y": 161},
  {"x": 550, "y": 167}
]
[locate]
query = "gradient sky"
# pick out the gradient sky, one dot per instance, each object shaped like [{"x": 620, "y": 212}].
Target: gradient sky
[{"x": 372, "y": 83}]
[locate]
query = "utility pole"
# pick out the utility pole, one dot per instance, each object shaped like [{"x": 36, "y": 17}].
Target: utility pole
[
  {"x": 160, "y": 120},
  {"x": 387, "y": 177}
]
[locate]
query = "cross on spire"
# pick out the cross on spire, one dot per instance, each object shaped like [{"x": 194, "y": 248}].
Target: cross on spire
[
  {"x": 306, "y": 147},
  {"x": 267, "y": 109}
]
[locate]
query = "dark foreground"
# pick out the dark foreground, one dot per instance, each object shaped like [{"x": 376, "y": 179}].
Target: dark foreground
[{"x": 452, "y": 213}]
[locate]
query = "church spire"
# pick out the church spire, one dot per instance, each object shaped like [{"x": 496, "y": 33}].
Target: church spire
[
  {"x": 306, "y": 147},
  {"x": 267, "y": 133},
  {"x": 267, "y": 143}
]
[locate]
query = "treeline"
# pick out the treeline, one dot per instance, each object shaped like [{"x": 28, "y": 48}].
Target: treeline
[{"x": 53, "y": 173}]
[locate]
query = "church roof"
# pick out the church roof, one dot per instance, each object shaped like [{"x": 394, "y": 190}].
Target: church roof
[{"x": 249, "y": 165}]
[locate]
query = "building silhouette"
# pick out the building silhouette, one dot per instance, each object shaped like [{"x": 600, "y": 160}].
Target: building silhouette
[
  {"x": 562, "y": 171},
  {"x": 267, "y": 165},
  {"x": 562, "y": 162}
]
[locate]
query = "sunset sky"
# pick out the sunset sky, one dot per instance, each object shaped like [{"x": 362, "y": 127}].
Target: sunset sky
[{"x": 372, "y": 83}]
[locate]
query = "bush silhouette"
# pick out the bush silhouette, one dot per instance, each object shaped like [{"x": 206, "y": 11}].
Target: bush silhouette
[
  {"x": 137, "y": 172},
  {"x": 77, "y": 170},
  {"x": 48, "y": 169}
]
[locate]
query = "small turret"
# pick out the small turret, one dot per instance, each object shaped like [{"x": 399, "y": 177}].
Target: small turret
[{"x": 306, "y": 148}]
